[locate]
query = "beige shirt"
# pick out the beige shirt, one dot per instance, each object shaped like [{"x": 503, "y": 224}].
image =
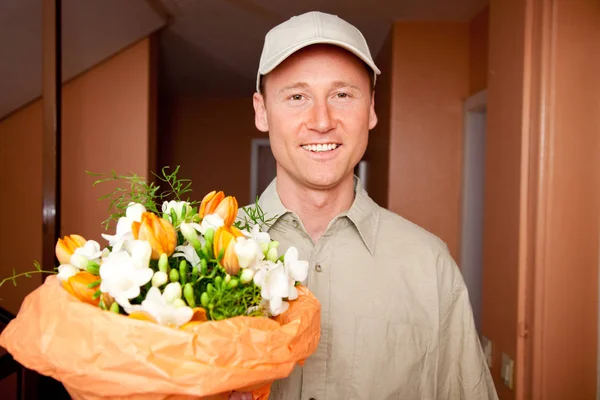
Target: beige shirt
[{"x": 396, "y": 320}]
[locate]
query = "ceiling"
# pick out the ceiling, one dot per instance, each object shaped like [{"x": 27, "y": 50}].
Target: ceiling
[{"x": 207, "y": 47}]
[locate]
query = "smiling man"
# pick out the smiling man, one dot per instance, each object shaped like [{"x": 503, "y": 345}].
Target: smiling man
[{"x": 396, "y": 321}]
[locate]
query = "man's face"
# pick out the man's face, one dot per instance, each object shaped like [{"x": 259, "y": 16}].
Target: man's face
[{"x": 318, "y": 109}]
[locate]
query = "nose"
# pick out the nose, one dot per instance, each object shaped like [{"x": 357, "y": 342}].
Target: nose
[{"x": 320, "y": 118}]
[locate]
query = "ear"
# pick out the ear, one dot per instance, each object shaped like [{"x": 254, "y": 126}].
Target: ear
[
  {"x": 372, "y": 114},
  {"x": 260, "y": 113}
]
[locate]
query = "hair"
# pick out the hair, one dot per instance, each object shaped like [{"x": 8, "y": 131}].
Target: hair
[{"x": 369, "y": 70}]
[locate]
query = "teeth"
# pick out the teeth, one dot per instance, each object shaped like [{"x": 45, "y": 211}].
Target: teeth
[{"x": 320, "y": 147}]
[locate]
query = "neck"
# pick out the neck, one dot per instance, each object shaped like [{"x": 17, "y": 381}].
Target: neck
[{"x": 315, "y": 207}]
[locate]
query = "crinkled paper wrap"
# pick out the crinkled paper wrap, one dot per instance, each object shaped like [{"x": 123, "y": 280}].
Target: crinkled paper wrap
[{"x": 101, "y": 355}]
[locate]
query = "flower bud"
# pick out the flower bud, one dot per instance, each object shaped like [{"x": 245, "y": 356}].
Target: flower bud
[
  {"x": 172, "y": 292},
  {"x": 225, "y": 238},
  {"x": 163, "y": 263},
  {"x": 66, "y": 246},
  {"x": 159, "y": 232},
  {"x": 77, "y": 285},
  {"x": 114, "y": 307},
  {"x": 188, "y": 293},
  {"x": 272, "y": 255},
  {"x": 247, "y": 275},
  {"x": 179, "y": 303},
  {"x": 209, "y": 235},
  {"x": 174, "y": 275},
  {"x": 188, "y": 232},
  {"x": 159, "y": 279}
]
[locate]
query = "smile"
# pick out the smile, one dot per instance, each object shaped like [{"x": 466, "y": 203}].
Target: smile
[{"x": 321, "y": 147}]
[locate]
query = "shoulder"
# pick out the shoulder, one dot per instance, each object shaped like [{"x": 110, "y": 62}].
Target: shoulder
[
  {"x": 401, "y": 230},
  {"x": 410, "y": 241}
]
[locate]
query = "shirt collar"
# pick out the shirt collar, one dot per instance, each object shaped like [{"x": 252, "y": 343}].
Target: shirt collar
[{"x": 364, "y": 212}]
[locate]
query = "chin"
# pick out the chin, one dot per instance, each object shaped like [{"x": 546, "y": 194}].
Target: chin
[{"x": 324, "y": 181}]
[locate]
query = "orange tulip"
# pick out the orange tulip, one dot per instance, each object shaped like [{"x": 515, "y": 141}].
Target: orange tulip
[
  {"x": 217, "y": 203},
  {"x": 77, "y": 286},
  {"x": 224, "y": 240},
  {"x": 66, "y": 246},
  {"x": 159, "y": 232},
  {"x": 210, "y": 202}
]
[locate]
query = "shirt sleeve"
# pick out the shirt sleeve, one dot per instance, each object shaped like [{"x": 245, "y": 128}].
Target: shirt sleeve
[{"x": 462, "y": 372}]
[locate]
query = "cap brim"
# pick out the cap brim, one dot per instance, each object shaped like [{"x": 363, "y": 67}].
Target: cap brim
[{"x": 271, "y": 64}]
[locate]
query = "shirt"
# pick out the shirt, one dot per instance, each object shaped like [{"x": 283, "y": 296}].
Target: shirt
[{"x": 396, "y": 321}]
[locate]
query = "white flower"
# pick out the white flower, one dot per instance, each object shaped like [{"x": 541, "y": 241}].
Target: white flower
[
  {"x": 247, "y": 275},
  {"x": 274, "y": 284},
  {"x": 90, "y": 251},
  {"x": 164, "y": 311},
  {"x": 124, "y": 233},
  {"x": 123, "y": 272},
  {"x": 277, "y": 280},
  {"x": 262, "y": 238},
  {"x": 189, "y": 253},
  {"x": 65, "y": 271},
  {"x": 181, "y": 208},
  {"x": 134, "y": 211},
  {"x": 172, "y": 292},
  {"x": 248, "y": 252},
  {"x": 188, "y": 230},
  {"x": 211, "y": 221},
  {"x": 297, "y": 270},
  {"x": 159, "y": 278}
]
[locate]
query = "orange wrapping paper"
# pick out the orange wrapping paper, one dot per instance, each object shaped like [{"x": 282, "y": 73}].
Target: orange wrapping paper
[{"x": 100, "y": 355}]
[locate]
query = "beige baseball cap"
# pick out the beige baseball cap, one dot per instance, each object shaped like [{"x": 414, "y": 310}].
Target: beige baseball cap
[{"x": 307, "y": 29}]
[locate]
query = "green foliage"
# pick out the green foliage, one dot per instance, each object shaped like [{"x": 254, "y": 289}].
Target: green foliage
[{"x": 138, "y": 190}]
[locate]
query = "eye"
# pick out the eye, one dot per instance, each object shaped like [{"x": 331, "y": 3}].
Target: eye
[
  {"x": 342, "y": 95},
  {"x": 296, "y": 97}
]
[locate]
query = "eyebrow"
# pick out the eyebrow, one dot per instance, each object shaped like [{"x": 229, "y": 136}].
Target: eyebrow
[
  {"x": 295, "y": 85},
  {"x": 304, "y": 85}
]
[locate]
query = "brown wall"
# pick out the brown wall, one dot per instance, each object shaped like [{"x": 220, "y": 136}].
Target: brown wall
[
  {"x": 567, "y": 282},
  {"x": 21, "y": 200},
  {"x": 378, "y": 150},
  {"x": 429, "y": 84},
  {"x": 502, "y": 190},
  {"x": 211, "y": 140},
  {"x": 106, "y": 125},
  {"x": 478, "y": 51}
]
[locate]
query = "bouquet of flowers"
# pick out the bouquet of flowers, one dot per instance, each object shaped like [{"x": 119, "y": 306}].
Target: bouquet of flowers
[{"x": 186, "y": 300}]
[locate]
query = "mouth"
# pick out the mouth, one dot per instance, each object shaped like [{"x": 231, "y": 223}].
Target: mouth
[{"x": 321, "y": 147}]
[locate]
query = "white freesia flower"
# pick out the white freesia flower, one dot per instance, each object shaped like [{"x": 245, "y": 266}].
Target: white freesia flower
[
  {"x": 262, "y": 238},
  {"x": 189, "y": 253},
  {"x": 297, "y": 270},
  {"x": 277, "y": 280},
  {"x": 247, "y": 275},
  {"x": 190, "y": 230},
  {"x": 211, "y": 221},
  {"x": 124, "y": 233},
  {"x": 164, "y": 311},
  {"x": 274, "y": 284},
  {"x": 248, "y": 252},
  {"x": 159, "y": 278},
  {"x": 181, "y": 208},
  {"x": 123, "y": 272},
  {"x": 90, "y": 251},
  {"x": 172, "y": 292},
  {"x": 65, "y": 271}
]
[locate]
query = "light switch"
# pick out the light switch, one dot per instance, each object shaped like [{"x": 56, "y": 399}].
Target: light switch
[{"x": 507, "y": 371}]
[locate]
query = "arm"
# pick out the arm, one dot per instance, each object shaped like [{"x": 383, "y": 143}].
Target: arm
[{"x": 462, "y": 370}]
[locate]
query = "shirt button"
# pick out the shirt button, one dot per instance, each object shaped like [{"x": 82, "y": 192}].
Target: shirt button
[
  {"x": 294, "y": 223},
  {"x": 318, "y": 268}
]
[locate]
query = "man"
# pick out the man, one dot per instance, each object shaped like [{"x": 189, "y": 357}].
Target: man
[{"x": 396, "y": 322}]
